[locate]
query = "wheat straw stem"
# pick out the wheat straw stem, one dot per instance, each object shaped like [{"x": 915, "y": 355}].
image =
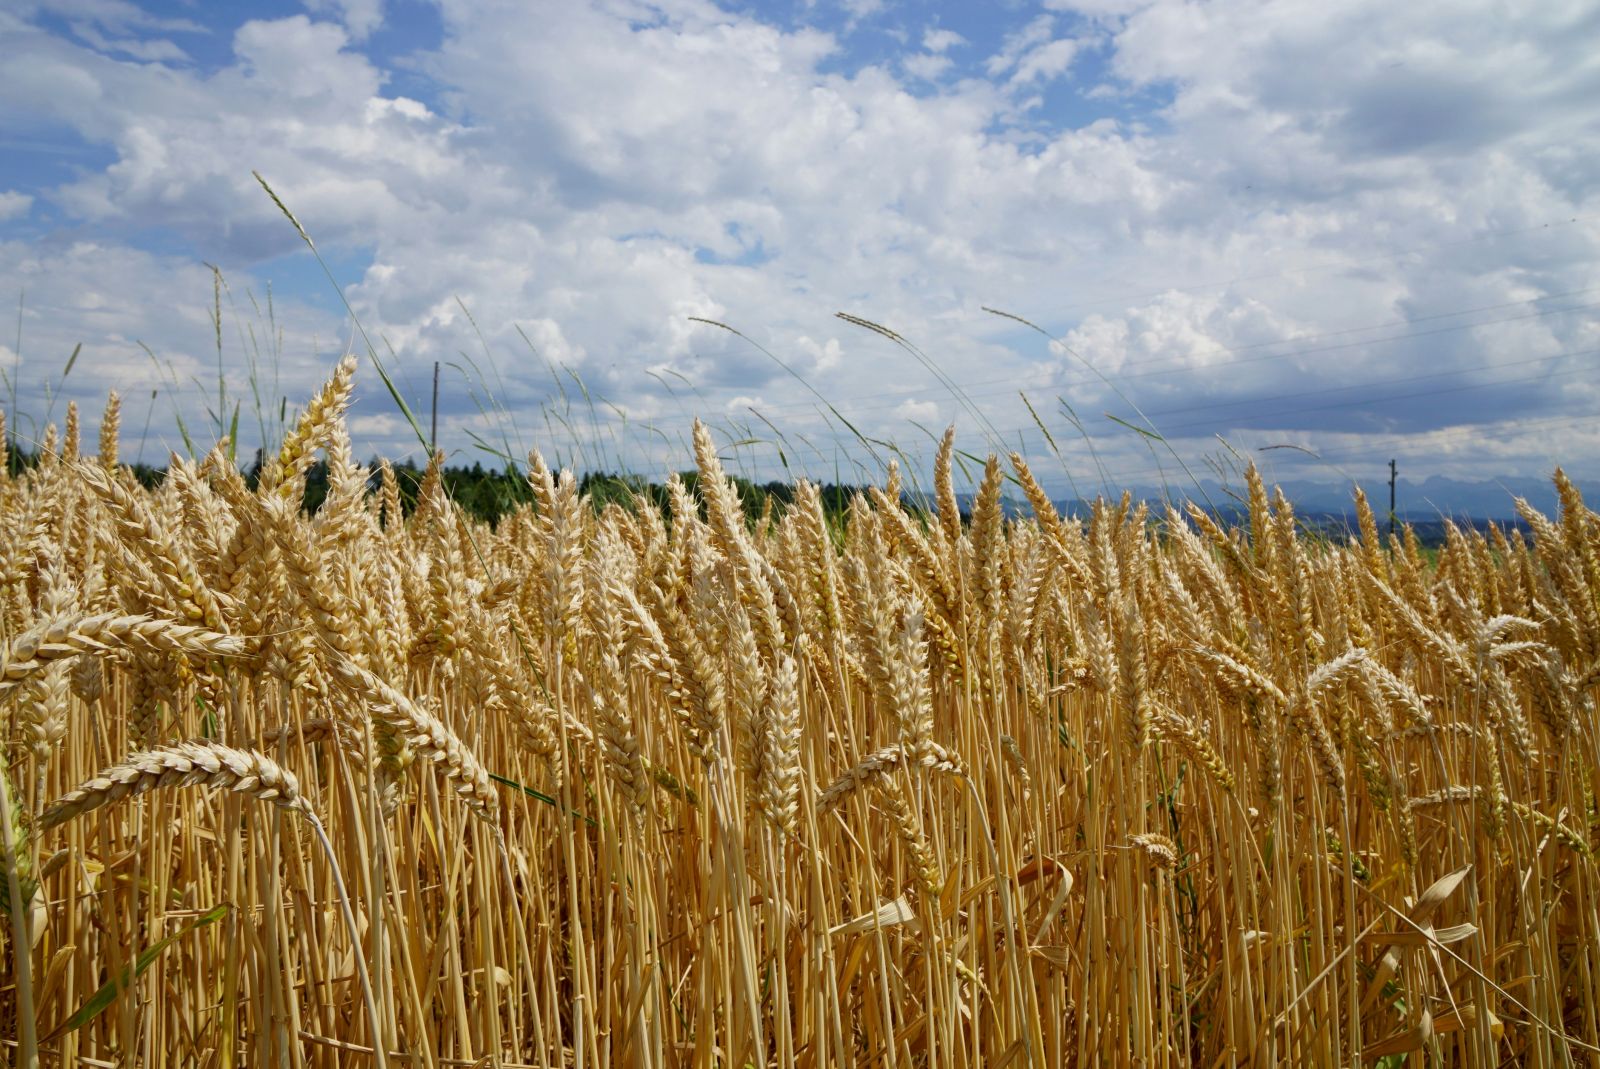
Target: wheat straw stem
[
  {"x": 21, "y": 938},
  {"x": 243, "y": 771},
  {"x": 374, "y": 1022}
]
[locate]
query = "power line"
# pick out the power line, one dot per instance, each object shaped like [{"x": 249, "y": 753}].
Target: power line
[
  {"x": 1364, "y": 401},
  {"x": 1506, "y": 429},
  {"x": 1007, "y": 432},
  {"x": 1393, "y": 439},
  {"x": 1372, "y": 383},
  {"x": 1413, "y": 320},
  {"x": 1172, "y": 431},
  {"x": 1234, "y": 423},
  {"x": 1190, "y": 369},
  {"x": 1369, "y": 445},
  {"x": 1327, "y": 265},
  {"x": 1353, "y": 345},
  {"x": 1372, "y": 445}
]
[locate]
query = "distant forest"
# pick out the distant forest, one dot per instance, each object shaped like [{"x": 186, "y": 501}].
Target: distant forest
[{"x": 490, "y": 493}]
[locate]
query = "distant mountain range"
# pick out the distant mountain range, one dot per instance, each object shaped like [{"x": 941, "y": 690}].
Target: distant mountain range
[
  {"x": 1438, "y": 498},
  {"x": 1423, "y": 503},
  {"x": 1432, "y": 499}
]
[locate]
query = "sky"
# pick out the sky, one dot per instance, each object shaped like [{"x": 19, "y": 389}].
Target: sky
[{"x": 1315, "y": 235}]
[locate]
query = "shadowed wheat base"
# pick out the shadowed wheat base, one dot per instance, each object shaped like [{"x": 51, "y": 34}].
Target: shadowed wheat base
[{"x": 616, "y": 789}]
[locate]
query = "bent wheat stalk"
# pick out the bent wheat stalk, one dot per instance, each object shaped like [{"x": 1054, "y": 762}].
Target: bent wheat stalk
[{"x": 13, "y": 851}]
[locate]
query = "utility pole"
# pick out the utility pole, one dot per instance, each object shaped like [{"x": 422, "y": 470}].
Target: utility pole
[
  {"x": 433, "y": 437},
  {"x": 1391, "y": 492}
]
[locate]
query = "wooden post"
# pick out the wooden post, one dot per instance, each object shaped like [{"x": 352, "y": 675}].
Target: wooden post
[{"x": 1391, "y": 499}]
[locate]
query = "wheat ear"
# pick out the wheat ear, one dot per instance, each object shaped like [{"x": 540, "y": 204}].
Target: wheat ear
[
  {"x": 427, "y": 734},
  {"x": 68, "y": 636},
  {"x": 186, "y": 763}
]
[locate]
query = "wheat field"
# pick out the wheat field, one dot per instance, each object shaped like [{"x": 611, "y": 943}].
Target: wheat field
[{"x": 606, "y": 787}]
